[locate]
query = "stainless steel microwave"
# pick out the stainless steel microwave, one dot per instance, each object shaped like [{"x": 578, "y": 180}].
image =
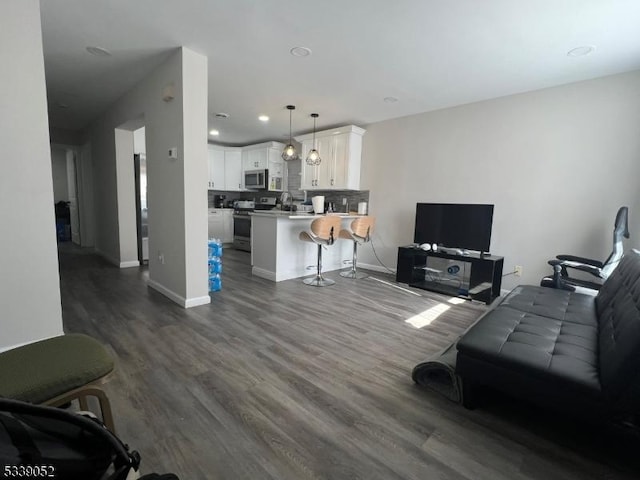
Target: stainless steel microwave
[{"x": 256, "y": 179}]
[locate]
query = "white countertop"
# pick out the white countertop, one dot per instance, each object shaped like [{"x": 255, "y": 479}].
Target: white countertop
[{"x": 298, "y": 215}]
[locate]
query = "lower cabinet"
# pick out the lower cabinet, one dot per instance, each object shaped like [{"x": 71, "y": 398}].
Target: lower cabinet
[{"x": 221, "y": 224}]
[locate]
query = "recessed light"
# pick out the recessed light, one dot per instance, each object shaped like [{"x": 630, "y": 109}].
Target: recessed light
[
  {"x": 222, "y": 115},
  {"x": 390, "y": 99},
  {"x": 214, "y": 132},
  {"x": 99, "y": 51},
  {"x": 263, "y": 118},
  {"x": 581, "y": 51},
  {"x": 300, "y": 51}
]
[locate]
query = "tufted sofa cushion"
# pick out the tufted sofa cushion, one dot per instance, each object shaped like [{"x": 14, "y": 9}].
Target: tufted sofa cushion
[
  {"x": 552, "y": 303},
  {"x": 551, "y": 349},
  {"x": 618, "y": 308}
]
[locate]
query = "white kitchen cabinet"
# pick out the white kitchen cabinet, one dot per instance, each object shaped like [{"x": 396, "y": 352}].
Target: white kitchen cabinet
[
  {"x": 233, "y": 178},
  {"x": 340, "y": 150},
  {"x": 225, "y": 168},
  {"x": 216, "y": 223},
  {"x": 216, "y": 168},
  {"x": 221, "y": 224},
  {"x": 277, "y": 176},
  {"x": 255, "y": 159},
  {"x": 266, "y": 156}
]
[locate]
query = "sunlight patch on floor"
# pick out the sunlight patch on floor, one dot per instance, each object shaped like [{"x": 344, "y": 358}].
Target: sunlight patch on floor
[
  {"x": 456, "y": 300},
  {"x": 425, "y": 318}
]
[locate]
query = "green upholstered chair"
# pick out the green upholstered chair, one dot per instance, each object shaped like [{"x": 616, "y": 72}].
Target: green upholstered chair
[{"x": 57, "y": 371}]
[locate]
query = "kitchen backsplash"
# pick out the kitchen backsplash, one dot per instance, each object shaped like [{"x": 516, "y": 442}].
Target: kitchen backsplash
[{"x": 353, "y": 197}]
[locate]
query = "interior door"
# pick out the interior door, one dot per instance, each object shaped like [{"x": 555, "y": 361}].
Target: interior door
[{"x": 73, "y": 197}]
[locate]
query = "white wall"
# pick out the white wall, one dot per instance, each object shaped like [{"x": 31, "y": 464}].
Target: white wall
[
  {"x": 557, "y": 163},
  {"x": 59, "y": 174},
  {"x": 139, "y": 141},
  {"x": 196, "y": 171},
  {"x": 30, "y": 293},
  {"x": 177, "y": 195},
  {"x": 126, "y": 191}
]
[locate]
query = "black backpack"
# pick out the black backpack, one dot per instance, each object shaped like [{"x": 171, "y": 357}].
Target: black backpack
[{"x": 47, "y": 442}]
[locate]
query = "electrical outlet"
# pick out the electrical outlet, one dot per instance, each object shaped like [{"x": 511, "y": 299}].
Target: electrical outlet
[
  {"x": 518, "y": 270},
  {"x": 161, "y": 257}
]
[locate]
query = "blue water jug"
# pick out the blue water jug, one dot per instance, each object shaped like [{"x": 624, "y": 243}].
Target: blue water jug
[
  {"x": 215, "y": 265},
  {"x": 215, "y": 283},
  {"x": 215, "y": 247}
]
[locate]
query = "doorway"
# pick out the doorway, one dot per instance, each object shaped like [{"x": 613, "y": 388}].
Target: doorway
[{"x": 142, "y": 219}]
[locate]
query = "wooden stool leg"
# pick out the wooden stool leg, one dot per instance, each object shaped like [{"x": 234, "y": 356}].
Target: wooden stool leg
[
  {"x": 105, "y": 407},
  {"x": 81, "y": 395}
]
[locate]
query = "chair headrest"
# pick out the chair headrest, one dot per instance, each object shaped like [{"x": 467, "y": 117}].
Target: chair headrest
[{"x": 621, "y": 226}]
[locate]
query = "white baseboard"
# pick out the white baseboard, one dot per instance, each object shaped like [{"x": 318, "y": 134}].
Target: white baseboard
[
  {"x": 266, "y": 274},
  {"x": 129, "y": 264},
  {"x": 375, "y": 268},
  {"x": 179, "y": 299},
  {"x": 197, "y": 301},
  {"x": 116, "y": 262}
]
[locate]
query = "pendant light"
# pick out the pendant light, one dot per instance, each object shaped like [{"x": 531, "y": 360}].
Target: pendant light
[
  {"x": 313, "y": 158},
  {"x": 289, "y": 153}
]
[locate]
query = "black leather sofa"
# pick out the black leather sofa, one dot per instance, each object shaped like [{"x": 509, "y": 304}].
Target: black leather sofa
[{"x": 561, "y": 349}]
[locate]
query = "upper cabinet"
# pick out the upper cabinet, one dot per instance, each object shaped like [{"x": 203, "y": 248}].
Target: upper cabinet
[
  {"x": 216, "y": 168},
  {"x": 340, "y": 150},
  {"x": 233, "y": 178},
  {"x": 225, "y": 168},
  {"x": 255, "y": 158}
]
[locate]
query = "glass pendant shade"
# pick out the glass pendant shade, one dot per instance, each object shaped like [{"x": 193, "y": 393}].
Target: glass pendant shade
[
  {"x": 313, "y": 157},
  {"x": 289, "y": 153}
]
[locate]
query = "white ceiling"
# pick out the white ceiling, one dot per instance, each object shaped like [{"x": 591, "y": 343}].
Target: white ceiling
[{"x": 430, "y": 54}]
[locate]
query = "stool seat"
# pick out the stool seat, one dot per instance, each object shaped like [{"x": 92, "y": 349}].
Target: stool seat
[
  {"x": 55, "y": 371},
  {"x": 323, "y": 232}
]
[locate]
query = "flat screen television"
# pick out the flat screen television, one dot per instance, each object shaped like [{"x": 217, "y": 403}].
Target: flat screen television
[{"x": 454, "y": 225}]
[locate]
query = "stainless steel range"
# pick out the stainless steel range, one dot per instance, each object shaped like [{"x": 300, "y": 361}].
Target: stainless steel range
[
  {"x": 242, "y": 225},
  {"x": 242, "y": 220}
]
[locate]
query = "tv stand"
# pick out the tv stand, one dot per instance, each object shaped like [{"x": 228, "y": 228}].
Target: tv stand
[{"x": 475, "y": 276}]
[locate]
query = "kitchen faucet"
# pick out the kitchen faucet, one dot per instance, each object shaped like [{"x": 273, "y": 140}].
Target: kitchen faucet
[{"x": 286, "y": 196}]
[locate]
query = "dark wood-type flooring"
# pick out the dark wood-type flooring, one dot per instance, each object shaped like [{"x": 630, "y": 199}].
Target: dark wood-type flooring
[{"x": 289, "y": 382}]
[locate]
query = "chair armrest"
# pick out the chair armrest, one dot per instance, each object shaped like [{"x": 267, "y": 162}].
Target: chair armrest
[
  {"x": 563, "y": 264},
  {"x": 587, "y": 261}
]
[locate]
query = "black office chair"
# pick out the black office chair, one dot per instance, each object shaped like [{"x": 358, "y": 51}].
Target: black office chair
[{"x": 601, "y": 270}]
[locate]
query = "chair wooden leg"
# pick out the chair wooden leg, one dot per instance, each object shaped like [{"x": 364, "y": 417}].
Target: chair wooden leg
[{"x": 81, "y": 395}]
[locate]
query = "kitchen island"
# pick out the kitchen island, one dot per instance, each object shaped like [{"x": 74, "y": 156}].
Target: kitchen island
[{"x": 278, "y": 254}]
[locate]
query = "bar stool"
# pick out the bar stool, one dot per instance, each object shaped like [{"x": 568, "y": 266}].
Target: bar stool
[
  {"x": 359, "y": 232},
  {"x": 324, "y": 232}
]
